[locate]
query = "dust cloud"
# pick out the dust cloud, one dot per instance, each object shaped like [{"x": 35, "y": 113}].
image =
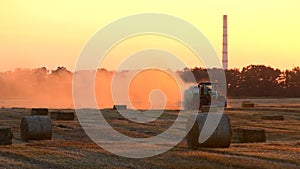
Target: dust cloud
[{"x": 140, "y": 89}]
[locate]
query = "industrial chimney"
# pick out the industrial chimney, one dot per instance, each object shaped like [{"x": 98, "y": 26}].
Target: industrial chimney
[{"x": 225, "y": 44}]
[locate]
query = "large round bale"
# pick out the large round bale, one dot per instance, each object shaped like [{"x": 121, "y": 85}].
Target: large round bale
[
  {"x": 273, "y": 117},
  {"x": 61, "y": 115},
  {"x": 39, "y": 112},
  {"x": 6, "y": 135},
  {"x": 221, "y": 137},
  {"x": 241, "y": 135},
  {"x": 36, "y": 128}
]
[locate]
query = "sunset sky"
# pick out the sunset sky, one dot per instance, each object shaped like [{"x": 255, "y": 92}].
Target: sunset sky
[{"x": 52, "y": 33}]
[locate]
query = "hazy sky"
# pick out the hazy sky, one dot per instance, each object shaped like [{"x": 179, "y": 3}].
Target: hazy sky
[{"x": 37, "y": 33}]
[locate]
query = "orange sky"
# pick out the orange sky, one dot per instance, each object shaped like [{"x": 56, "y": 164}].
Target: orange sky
[{"x": 52, "y": 33}]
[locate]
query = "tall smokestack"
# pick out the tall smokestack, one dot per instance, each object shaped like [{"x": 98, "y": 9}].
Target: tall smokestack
[{"x": 225, "y": 44}]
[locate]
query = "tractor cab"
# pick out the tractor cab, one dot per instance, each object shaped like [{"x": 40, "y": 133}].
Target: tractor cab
[
  {"x": 205, "y": 94},
  {"x": 210, "y": 95},
  {"x": 208, "y": 88}
]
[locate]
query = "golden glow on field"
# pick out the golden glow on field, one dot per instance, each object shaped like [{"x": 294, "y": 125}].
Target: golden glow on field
[{"x": 51, "y": 33}]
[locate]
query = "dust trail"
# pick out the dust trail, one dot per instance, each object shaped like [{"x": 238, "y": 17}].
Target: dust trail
[{"x": 53, "y": 88}]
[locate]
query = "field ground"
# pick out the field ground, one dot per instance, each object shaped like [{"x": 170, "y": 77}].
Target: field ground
[{"x": 71, "y": 147}]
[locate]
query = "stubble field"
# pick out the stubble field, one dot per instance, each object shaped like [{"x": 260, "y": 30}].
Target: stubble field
[{"x": 70, "y": 147}]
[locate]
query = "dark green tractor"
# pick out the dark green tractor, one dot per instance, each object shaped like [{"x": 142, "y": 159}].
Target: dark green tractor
[{"x": 205, "y": 94}]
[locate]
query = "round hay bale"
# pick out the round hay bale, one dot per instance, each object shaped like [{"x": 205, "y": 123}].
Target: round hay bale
[
  {"x": 221, "y": 138},
  {"x": 6, "y": 135},
  {"x": 36, "y": 128},
  {"x": 39, "y": 112}
]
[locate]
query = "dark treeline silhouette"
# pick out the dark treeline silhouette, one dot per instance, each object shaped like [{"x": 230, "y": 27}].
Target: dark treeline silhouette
[{"x": 254, "y": 81}]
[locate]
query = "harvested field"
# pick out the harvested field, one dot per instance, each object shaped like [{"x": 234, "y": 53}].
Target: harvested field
[{"x": 70, "y": 147}]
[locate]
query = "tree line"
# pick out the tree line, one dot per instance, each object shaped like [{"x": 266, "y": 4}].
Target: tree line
[
  {"x": 254, "y": 81},
  {"x": 250, "y": 81}
]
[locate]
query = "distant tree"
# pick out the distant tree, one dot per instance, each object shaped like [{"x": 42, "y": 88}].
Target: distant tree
[
  {"x": 40, "y": 75},
  {"x": 233, "y": 78},
  {"x": 200, "y": 74},
  {"x": 186, "y": 75},
  {"x": 61, "y": 70},
  {"x": 259, "y": 80},
  {"x": 292, "y": 82}
]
